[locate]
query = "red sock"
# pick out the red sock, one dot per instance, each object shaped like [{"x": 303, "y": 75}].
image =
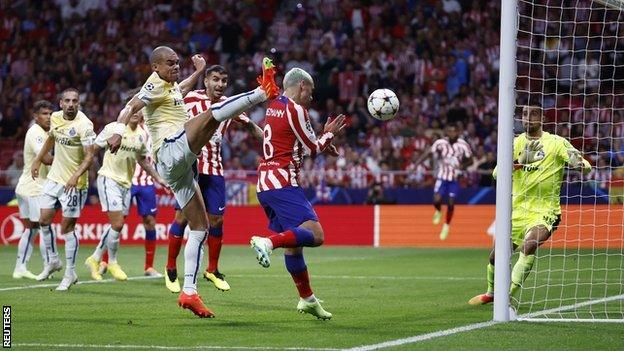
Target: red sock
[
  {"x": 449, "y": 215},
  {"x": 302, "y": 282},
  {"x": 214, "y": 250},
  {"x": 175, "y": 244},
  {"x": 150, "y": 250},
  {"x": 285, "y": 239},
  {"x": 105, "y": 257}
]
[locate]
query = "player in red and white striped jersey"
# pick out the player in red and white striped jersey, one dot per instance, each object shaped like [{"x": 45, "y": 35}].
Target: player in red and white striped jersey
[
  {"x": 452, "y": 155},
  {"x": 211, "y": 181},
  {"x": 288, "y": 138}
]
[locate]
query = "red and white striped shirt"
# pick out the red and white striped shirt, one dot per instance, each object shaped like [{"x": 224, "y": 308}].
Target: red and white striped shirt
[
  {"x": 140, "y": 177},
  {"x": 210, "y": 162},
  {"x": 450, "y": 157},
  {"x": 288, "y": 137}
]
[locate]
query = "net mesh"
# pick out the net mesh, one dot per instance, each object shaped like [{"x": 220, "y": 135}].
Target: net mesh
[{"x": 570, "y": 61}]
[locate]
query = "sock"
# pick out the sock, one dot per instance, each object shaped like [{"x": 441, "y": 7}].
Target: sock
[
  {"x": 176, "y": 233},
  {"x": 25, "y": 245},
  {"x": 449, "y": 213},
  {"x": 520, "y": 271},
  {"x": 295, "y": 237},
  {"x": 113, "y": 245},
  {"x": 215, "y": 240},
  {"x": 237, "y": 104},
  {"x": 100, "y": 248},
  {"x": 490, "y": 279},
  {"x": 192, "y": 252},
  {"x": 50, "y": 241},
  {"x": 150, "y": 248},
  {"x": 437, "y": 206},
  {"x": 42, "y": 248},
  {"x": 296, "y": 266},
  {"x": 105, "y": 257},
  {"x": 71, "y": 251}
]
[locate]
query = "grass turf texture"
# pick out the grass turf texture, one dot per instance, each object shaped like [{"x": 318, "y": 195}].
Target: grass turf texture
[{"x": 376, "y": 295}]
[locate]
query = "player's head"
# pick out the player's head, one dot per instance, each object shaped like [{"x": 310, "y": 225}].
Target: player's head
[
  {"x": 216, "y": 81},
  {"x": 70, "y": 102},
  {"x": 135, "y": 119},
  {"x": 298, "y": 85},
  {"x": 166, "y": 63},
  {"x": 42, "y": 110},
  {"x": 452, "y": 133},
  {"x": 532, "y": 119}
]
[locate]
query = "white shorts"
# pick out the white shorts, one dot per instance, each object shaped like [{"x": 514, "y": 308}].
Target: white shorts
[
  {"x": 177, "y": 164},
  {"x": 71, "y": 203},
  {"x": 113, "y": 196},
  {"x": 29, "y": 207}
]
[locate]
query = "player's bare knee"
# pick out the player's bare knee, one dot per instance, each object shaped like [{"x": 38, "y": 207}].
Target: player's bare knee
[
  {"x": 215, "y": 221},
  {"x": 319, "y": 236},
  {"x": 149, "y": 222}
]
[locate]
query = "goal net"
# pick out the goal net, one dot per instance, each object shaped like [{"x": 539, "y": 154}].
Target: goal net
[{"x": 570, "y": 61}]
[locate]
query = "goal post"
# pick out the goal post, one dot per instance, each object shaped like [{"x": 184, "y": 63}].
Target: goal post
[{"x": 568, "y": 58}]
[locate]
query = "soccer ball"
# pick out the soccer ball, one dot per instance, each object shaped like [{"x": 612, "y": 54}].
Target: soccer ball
[{"x": 383, "y": 104}]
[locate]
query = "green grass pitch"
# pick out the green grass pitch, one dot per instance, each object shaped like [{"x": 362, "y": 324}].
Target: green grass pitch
[{"x": 376, "y": 295}]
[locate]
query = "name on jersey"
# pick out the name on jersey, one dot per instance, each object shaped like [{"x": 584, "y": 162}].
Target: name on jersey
[
  {"x": 530, "y": 168},
  {"x": 271, "y": 112},
  {"x": 128, "y": 148}
]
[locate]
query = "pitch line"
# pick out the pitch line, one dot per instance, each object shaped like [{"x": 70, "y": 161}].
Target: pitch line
[
  {"x": 382, "y": 277},
  {"x": 53, "y": 285},
  {"x": 161, "y": 347}
]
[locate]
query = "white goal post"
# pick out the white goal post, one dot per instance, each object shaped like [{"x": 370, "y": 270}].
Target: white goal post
[{"x": 568, "y": 58}]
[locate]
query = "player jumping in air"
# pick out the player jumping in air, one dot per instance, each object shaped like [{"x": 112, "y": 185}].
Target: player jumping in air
[
  {"x": 288, "y": 137},
  {"x": 453, "y": 154},
  {"x": 211, "y": 181},
  {"x": 71, "y": 135},
  {"x": 114, "y": 181},
  {"x": 28, "y": 190},
  {"x": 178, "y": 140},
  {"x": 539, "y": 162}
]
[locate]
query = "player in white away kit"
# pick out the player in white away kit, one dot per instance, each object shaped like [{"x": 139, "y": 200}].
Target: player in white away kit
[
  {"x": 143, "y": 192},
  {"x": 71, "y": 134},
  {"x": 452, "y": 156},
  {"x": 114, "y": 181},
  {"x": 178, "y": 140},
  {"x": 288, "y": 137},
  {"x": 211, "y": 181},
  {"x": 28, "y": 190}
]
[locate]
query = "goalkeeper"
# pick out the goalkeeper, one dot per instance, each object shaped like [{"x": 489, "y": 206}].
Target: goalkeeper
[{"x": 539, "y": 162}]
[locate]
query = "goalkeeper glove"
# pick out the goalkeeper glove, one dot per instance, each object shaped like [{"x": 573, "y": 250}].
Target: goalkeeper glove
[
  {"x": 576, "y": 161},
  {"x": 532, "y": 152}
]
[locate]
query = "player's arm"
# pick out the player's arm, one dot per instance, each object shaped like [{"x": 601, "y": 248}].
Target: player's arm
[
  {"x": 47, "y": 158},
  {"x": 147, "y": 166},
  {"x": 133, "y": 106},
  {"x": 424, "y": 155},
  {"x": 89, "y": 153},
  {"x": 43, "y": 153},
  {"x": 200, "y": 64},
  {"x": 251, "y": 126}
]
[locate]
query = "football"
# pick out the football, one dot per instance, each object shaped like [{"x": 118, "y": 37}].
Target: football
[{"x": 383, "y": 104}]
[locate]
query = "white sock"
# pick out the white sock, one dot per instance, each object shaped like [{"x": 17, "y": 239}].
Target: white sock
[
  {"x": 71, "y": 251},
  {"x": 192, "y": 259},
  {"x": 310, "y": 298},
  {"x": 45, "y": 255},
  {"x": 99, "y": 249},
  {"x": 113, "y": 245},
  {"x": 237, "y": 104},
  {"x": 50, "y": 242},
  {"x": 25, "y": 244}
]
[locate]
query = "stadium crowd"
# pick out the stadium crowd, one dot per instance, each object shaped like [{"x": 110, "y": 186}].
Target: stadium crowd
[{"x": 440, "y": 57}]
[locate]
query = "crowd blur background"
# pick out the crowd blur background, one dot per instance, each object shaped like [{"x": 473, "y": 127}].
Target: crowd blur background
[{"x": 440, "y": 57}]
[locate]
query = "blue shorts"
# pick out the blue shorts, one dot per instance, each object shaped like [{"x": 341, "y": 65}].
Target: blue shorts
[
  {"x": 445, "y": 187},
  {"x": 286, "y": 208},
  {"x": 213, "y": 193},
  {"x": 145, "y": 196}
]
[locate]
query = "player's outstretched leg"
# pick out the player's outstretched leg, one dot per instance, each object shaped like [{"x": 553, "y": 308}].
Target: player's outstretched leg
[
  {"x": 93, "y": 262},
  {"x": 488, "y": 297},
  {"x": 113, "y": 266},
  {"x": 24, "y": 249},
  {"x": 295, "y": 237}
]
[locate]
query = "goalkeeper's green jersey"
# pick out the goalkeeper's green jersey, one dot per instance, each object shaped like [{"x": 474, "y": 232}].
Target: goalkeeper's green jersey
[{"x": 536, "y": 187}]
